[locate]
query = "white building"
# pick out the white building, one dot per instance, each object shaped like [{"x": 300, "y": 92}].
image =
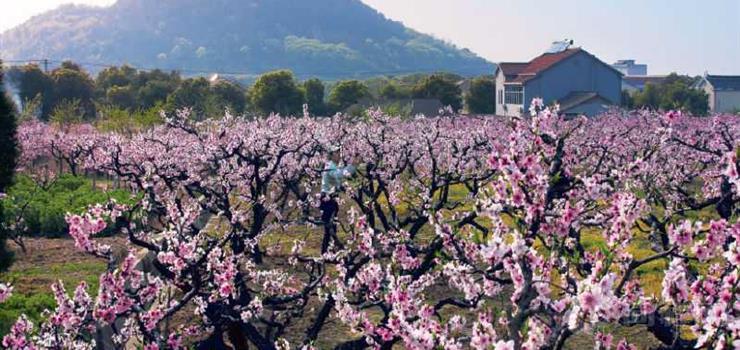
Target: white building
[
  {"x": 723, "y": 92},
  {"x": 630, "y": 68}
]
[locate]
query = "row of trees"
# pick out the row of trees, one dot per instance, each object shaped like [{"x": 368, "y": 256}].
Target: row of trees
[
  {"x": 455, "y": 232},
  {"x": 674, "y": 93},
  {"x": 279, "y": 92},
  {"x": 70, "y": 89}
]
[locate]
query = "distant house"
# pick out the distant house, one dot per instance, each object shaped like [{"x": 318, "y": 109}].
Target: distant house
[
  {"x": 572, "y": 77},
  {"x": 629, "y": 67},
  {"x": 723, "y": 91},
  {"x": 633, "y": 83}
]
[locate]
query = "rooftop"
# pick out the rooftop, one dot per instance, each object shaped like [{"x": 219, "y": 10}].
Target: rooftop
[
  {"x": 521, "y": 72},
  {"x": 724, "y": 82}
]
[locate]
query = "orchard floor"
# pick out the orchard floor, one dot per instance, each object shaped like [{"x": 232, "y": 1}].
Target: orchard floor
[{"x": 49, "y": 260}]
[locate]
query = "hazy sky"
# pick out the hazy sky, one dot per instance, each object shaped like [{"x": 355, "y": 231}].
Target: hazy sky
[{"x": 687, "y": 36}]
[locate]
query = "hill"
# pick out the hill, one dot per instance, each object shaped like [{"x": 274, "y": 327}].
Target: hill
[{"x": 324, "y": 38}]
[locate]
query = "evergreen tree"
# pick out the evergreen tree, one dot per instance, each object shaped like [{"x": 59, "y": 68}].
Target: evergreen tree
[
  {"x": 440, "y": 87},
  {"x": 8, "y": 158},
  {"x": 314, "y": 90},
  {"x": 480, "y": 99}
]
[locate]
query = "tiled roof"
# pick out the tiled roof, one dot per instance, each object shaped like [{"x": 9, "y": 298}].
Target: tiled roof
[
  {"x": 724, "y": 82},
  {"x": 542, "y": 63},
  {"x": 512, "y": 69},
  {"x": 577, "y": 98}
]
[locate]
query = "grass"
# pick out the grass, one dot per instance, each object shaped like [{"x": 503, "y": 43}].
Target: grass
[
  {"x": 49, "y": 260},
  {"x": 46, "y": 261}
]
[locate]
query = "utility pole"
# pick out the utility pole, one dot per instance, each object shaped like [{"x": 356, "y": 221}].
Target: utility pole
[{"x": 46, "y": 65}]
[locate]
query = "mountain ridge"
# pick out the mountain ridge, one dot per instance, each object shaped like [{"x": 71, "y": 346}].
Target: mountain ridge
[{"x": 323, "y": 38}]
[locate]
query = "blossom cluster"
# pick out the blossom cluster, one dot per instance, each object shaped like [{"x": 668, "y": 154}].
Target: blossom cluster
[{"x": 455, "y": 232}]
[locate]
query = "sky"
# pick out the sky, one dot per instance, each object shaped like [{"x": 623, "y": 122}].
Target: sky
[{"x": 685, "y": 36}]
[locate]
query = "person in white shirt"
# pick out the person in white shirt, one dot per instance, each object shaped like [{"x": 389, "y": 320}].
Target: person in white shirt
[{"x": 332, "y": 179}]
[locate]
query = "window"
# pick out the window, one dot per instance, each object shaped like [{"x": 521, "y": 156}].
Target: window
[
  {"x": 500, "y": 96},
  {"x": 514, "y": 94}
]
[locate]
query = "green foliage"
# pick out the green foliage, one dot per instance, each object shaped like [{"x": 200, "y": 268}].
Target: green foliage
[
  {"x": 45, "y": 208},
  {"x": 34, "y": 84},
  {"x": 8, "y": 140},
  {"x": 115, "y": 76},
  {"x": 628, "y": 101},
  {"x": 154, "y": 92},
  {"x": 31, "y": 281},
  {"x": 347, "y": 93},
  {"x": 480, "y": 99},
  {"x": 439, "y": 87},
  {"x": 314, "y": 91},
  {"x": 394, "y": 91},
  {"x": 675, "y": 93},
  {"x": 397, "y": 108},
  {"x": 228, "y": 95},
  {"x": 67, "y": 113},
  {"x": 121, "y": 96},
  {"x": 123, "y": 121},
  {"x": 31, "y": 305},
  {"x": 192, "y": 93},
  {"x": 317, "y": 48},
  {"x": 8, "y": 158},
  {"x": 72, "y": 83},
  {"x": 276, "y": 92}
]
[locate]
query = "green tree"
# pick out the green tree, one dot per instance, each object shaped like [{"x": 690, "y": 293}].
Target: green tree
[
  {"x": 480, "y": 99},
  {"x": 439, "y": 87},
  {"x": 154, "y": 92},
  {"x": 649, "y": 97},
  {"x": 192, "y": 93},
  {"x": 347, "y": 93},
  {"x": 314, "y": 90},
  {"x": 121, "y": 96},
  {"x": 73, "y": 83},
  {"x": 8, "y": 158},
  {"x": 675, "y": 92},
  {"x": 33, "y": 83},
  {"x": 628, "y": 101},
  {"x": 229, "y": 95},
  {"x": 393, "y": 91},
  {"x": 114, "y": 76},
  {"x": 67, "y": 113},
  {"x": 276, "y": 92}
]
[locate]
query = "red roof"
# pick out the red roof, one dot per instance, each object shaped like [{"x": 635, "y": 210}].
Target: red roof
[
  {"x": 512, "y": 69},
  {"x": 539, "y": 64}
]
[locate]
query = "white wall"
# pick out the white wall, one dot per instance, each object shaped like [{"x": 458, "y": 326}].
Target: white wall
[
  {"x": 502, "y": 109},
  {"x": 710, "y": 94},
  {"x": 499, "y": 87}
]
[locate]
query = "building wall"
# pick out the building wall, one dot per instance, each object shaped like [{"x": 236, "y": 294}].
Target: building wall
[
  {"x": 590, "y": 108},
  {"x": 581, "y": 72},
  {"x": 710, "y": 94},
  {"x": 503, "y": 109},
  {"x": 725, "y": 101},
  {"x": 499, "y": 92},
  {"x": 635, "y": 69}
]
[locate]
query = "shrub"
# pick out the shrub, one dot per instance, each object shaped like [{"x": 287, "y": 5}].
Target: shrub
[{"x": 43, "y": 209}]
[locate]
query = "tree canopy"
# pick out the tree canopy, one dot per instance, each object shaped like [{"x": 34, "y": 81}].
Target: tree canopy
[
  {"x": 347, "y": 93},
  {"x": 481, "y": 98},
  {"x": 276, "y": 92},
  {"x": 675, "y": 93},
  {"x": 439, "y": 87},
  {"x": 8, "y": 159}
]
